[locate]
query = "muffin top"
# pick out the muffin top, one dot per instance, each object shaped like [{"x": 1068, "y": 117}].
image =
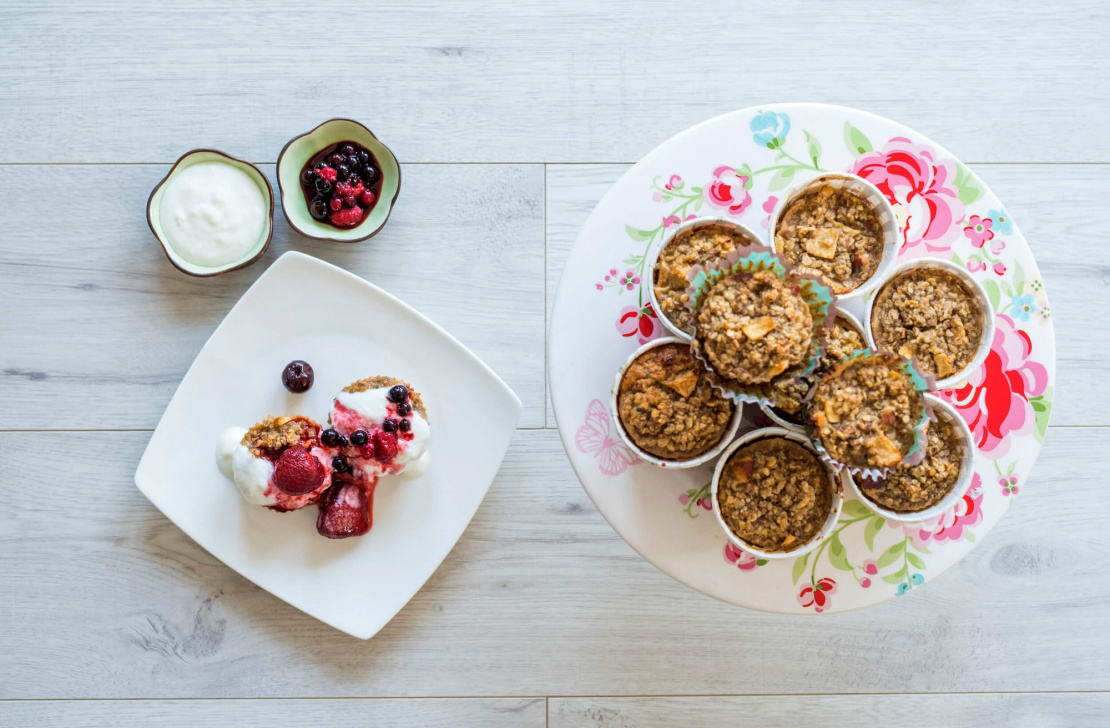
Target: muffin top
[
  {"x": 687, "y": 249},
  {"x": 269, "y": 437},
  {"x": 832, "y": 232},
  {"x": 774, "y": 494},
  {"x": 914, "y": 488},
  {"x": 930, "y": 314},
  {"x": 668, "y": 407},
  {"x": 753, "y": 326},
  {"x": 864, "y": 411}
]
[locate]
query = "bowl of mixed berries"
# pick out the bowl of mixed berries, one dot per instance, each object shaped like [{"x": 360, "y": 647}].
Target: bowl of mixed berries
[{"x": 338, "y": 182}]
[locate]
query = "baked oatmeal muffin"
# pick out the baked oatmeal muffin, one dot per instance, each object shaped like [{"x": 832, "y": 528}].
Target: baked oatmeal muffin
[
  {"x": 696, "y": 246},
  {"x": 909, "y": 489},
  {"x": 381, "y": 427},
  {"x": 930, "y": 314},
  {"x": 865, "y": 410},
  {"x": 278, "y": 463},
  {"x": 832, "y": 232},
  {"x": 667, "y": 406},
  {"x": 753, "y": 326},
  {"x": 774, "y": 494}
]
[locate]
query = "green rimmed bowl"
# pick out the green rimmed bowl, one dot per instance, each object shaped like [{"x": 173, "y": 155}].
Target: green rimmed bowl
[
  {"x": 296, "y": 153},
  {"x": 154, "y": 207}
]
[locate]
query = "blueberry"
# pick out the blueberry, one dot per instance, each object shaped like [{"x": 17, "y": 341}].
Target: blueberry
[
  {"x": 353, "y": 180},
  {"x": 336, "y": 158},
  {"x": 363, "y": 157},
  {"x": 359, "y": 438},
  {"x": 308, "y": 176},
  {"x": 318, "y": 208},
  {"x": 342, "y": 172},
  {"x": 369, "y": 173},
  {"x": 398, "y": 393},
  {"x": 404, "y": 409},
  {"x": 318, "y": 166},
  {"x": 389, "y": 424},
  {"x": 339, "y": 464},
  {"x": 323, "y": 186},
  {"x": 347, "y": 149},
  {"x": 329, "y": 437},
  {"x": 297, "y": 376},
  {"x": 343, "y": 441},
  {"x": 405, "y": 425}
]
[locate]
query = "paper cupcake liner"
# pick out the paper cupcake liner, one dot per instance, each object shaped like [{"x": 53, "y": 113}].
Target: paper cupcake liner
[
  {"x": 817, "y": 295},
  {"x": 922, "y": 383}
]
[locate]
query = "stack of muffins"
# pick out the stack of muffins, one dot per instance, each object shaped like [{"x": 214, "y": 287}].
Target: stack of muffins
[{"x": 768, "y": 326}]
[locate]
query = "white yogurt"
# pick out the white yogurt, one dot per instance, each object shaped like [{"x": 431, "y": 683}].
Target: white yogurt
[
  {"x": 251, "y": 476},
  {"x": 212, "y": 213},
  {"x": 225, "y": 446}
]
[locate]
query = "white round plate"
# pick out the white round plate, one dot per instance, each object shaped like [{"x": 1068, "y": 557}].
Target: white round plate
[{"x": 738, "y": 165}]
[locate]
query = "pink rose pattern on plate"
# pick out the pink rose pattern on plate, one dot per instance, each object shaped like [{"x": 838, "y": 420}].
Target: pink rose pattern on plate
[{"x": 934, "y": 200}]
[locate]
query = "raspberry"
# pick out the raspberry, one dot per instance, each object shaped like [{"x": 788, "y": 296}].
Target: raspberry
[
  {"x": 298, "y": 472},
  {"x": 385, "y": 446},
  {"x": 347, "y": 217},
  {"x": 328, "y": 173},
  {"x": 344, "y": 512},
  {"x": 336, "y": 204},
  {"x": 368, "y": 197}
]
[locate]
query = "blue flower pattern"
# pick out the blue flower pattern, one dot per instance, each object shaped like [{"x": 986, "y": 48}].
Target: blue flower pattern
[
  {"x": 1023, "y": 306},
  {"x": 1001, "y": 222},
  {"x": 769, "y": 129}
]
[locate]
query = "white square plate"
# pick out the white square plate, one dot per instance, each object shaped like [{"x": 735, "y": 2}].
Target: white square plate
[{"x": 347, "y": 329}]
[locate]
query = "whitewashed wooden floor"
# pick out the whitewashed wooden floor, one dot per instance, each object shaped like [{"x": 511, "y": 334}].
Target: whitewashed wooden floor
[{"x": 511, "y": 119}]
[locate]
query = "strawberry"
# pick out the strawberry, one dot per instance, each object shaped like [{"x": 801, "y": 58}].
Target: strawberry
[
  {"x": 298, "y": 471},
  {"x": 344, "y": 512}
]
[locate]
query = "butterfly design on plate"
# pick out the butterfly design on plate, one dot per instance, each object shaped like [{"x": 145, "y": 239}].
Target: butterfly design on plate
[{"x": 595, "y": 438}]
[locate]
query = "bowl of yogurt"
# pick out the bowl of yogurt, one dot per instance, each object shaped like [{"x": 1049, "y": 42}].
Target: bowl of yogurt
[{"x": 212, "y": 213}]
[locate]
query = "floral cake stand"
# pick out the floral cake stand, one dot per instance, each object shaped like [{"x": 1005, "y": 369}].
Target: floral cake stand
[{"x": 737, "y": 165}]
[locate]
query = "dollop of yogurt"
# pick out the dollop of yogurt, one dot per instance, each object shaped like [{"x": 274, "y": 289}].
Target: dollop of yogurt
[{"x": 212, "y": 213}]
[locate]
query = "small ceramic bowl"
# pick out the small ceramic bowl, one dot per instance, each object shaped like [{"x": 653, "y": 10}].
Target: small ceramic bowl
[
  {"x": 296, "y": 153},
  {"x": 834, "y": 483},
  {"x": 775, "y": 415},
  {"x": 977, "y": 291},
  {"x": 726, "y": 438},
  {"x": 154, "y": 206},
  {"x": 701, "y": 222},
  {"x": 945, "y": 412},
  {"x": 891, "y": 235}
]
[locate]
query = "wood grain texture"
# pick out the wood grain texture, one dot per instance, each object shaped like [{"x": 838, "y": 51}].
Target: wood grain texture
[
  {"x": 104, "y": 597},
  {"x": 821, "y": 711},
  {"x": 98, "y": 324},
  {"x": 534, "y": 81},
  {"x": 1059, "y": 209},
  {"x": 430, "y": 713}
]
